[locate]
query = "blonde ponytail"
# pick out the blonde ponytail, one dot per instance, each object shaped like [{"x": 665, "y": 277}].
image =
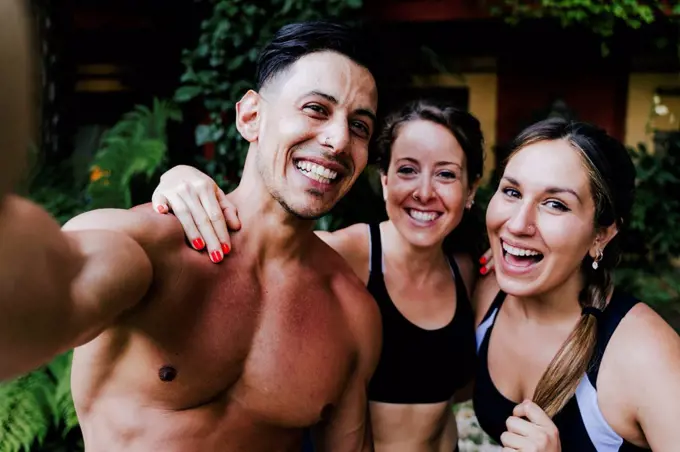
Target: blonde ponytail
[{"x": 558, "y": 383}]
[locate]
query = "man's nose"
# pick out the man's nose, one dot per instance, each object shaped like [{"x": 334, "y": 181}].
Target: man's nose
[{"x": 336, "y": 136}]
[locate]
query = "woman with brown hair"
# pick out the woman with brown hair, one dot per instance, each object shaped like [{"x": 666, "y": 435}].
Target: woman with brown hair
[
  {"x": 567, "y": 362},
  {"x": 430, "y": 157}
]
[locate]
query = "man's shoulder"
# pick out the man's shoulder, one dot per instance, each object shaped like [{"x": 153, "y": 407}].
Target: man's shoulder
[
  {"x": 357, "y": 303},
  {"x": 150, "y": 229},
  {"x": 360, "y": 310}
]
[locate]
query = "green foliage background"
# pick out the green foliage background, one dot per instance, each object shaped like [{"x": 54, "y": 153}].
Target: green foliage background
[
  {"x": 602, "y": 17},
  {"x": 36, "y": 410}
]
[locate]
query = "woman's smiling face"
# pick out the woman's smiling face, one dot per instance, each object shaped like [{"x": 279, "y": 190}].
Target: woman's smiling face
[
  {"x": 540, "y": 221},
  {"x": 426, "y": 186}
]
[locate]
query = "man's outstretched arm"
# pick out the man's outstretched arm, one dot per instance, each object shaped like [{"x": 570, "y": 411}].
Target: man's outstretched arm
[{"x": 59, "y": 289}]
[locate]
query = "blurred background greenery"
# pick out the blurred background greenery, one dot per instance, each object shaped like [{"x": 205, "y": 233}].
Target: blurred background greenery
[{"x": 131, "y": 88}]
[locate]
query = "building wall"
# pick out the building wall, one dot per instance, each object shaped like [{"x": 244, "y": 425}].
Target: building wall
[
  {"x": 525, "y": 98},
  {"x": 640, "y": 101},
  {"x": 483, "y": 91},
  {"x": 620, "y": 104}
]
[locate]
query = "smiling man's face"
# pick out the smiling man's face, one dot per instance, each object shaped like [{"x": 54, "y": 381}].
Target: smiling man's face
[{"x": 316, "y": 119}]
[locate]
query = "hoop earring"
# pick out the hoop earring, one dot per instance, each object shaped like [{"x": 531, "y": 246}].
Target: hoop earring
[{"x": 598, "y": 258}]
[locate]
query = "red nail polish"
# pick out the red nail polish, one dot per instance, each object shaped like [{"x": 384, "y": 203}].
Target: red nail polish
[
  {"x": 225, "y": 249},
  {"x": 482, "y": 260},
  {"x": 483, "y": 270},
  {"x": 198, "y": 244},
  {"x": 216, "y": 256}
]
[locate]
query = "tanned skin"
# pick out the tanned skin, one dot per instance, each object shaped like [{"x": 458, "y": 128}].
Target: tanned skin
[
  {"x": 174, "y": 353},
  {"x": 181, "y": 354}
]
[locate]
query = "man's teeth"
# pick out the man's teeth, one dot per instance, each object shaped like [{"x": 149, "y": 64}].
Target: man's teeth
[
  {"x": 316, "y": 172},
  {"x": 519, "y": 251},
  {"x": 422, "y": 216}
]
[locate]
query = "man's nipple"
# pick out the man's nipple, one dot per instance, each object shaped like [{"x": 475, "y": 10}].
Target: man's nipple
[{"x": 167, "y": 373}]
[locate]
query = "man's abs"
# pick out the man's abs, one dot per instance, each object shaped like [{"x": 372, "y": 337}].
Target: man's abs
[{"x": 216, "y": 359}]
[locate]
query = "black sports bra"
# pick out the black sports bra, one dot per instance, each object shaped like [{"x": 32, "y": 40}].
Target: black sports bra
[
  {"x": 582, "y": 426},
  {"x": 417, "y": 365}
]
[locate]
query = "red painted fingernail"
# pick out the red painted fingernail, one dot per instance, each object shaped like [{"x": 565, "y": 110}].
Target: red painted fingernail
[
  {"x": 482, "y": 260},
  {"x": 161, "y": 209},
  {"x": 216, "y": 256},
  {"x": 225, "y": 249},
  {"x": 198, "y": 244},
  {"x": 483, "y": 270}
]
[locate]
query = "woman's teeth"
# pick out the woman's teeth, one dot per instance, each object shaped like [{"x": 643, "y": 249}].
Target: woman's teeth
[
  {"x": 422, "y": 216},
  {"x": 519, "y": 251},
  {"x": 316, "y": 172}
]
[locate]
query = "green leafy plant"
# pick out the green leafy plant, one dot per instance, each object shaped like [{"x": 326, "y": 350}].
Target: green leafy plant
[
  {"x": 602, "y": 17},
  {"x": 135, "y": 145},
  {"x": 37, "y": 408},
  {"x": 649, "y": 266},
  {"x": 656, "y": 213},
  {"x": 222, "y": 67}
]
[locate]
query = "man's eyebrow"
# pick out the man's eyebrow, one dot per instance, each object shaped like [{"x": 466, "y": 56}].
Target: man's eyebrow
[
  {"x": 366, "y": 112},
  {"x": 360, "y": 111},
  {"x": 328, "y": 97}
]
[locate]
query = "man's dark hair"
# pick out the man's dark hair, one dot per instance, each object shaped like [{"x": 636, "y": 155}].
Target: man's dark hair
[{"x": 296, "y": 40}]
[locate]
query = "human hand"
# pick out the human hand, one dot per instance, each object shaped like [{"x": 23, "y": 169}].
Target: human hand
[
  {"x": 530, "y": 430},
  {"x": 200, "y": 206},
  {"x": 486, "y": 262}
]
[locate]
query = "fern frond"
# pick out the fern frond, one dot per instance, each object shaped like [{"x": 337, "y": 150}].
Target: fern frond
[
  {"x": 135, "y": 145},
  {"x": 63, "y": 410},
  {"x": 25, "y": 411}
]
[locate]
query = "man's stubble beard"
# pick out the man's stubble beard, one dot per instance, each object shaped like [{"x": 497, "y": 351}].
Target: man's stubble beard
[{"x": 278, "y": 197}]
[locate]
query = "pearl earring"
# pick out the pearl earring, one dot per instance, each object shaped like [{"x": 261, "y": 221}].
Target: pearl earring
[{"x": 597, "y": 259}]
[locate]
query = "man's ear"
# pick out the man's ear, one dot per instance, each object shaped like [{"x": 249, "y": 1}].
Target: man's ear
[{"x": 248, "y": 115}]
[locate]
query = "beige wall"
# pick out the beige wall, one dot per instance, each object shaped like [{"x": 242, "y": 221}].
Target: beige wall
[
  {"x": 641, "y": 90},
  {"x": 483, "y": 89}
]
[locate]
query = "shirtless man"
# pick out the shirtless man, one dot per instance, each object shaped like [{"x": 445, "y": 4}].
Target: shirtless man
[{"x": 177, "y": 354}]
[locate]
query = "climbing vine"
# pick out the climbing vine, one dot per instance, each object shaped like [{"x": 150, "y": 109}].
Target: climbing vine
[{"x": 602, "y": 17}]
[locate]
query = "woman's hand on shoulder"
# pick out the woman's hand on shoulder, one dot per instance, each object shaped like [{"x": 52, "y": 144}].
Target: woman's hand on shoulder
[
  {"x": 486, "y": 263},
  {"x": 205, "y": 212}
]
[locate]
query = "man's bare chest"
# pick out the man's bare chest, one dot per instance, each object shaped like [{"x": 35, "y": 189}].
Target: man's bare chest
[{"x": 280, "y": 349}]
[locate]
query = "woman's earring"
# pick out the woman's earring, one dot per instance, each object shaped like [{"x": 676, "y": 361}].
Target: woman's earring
[{"x": 597, "y": 259}]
